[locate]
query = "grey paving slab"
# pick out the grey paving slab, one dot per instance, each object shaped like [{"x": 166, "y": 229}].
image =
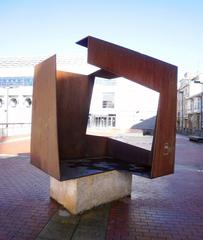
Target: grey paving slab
[
  {"x": 91, "y": 225},
  {"x": 59, "y": 228}
]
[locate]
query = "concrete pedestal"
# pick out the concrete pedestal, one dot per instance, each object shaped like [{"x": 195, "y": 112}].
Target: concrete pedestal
[{"x": 87, "y": 192}]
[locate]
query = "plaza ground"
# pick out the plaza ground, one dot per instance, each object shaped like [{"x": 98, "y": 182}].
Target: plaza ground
[{"x": 170, "y": 207}]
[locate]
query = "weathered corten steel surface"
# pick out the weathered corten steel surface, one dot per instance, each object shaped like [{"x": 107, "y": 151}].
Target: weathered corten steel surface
[
  {"x": 151, "y": 73},
  {"x": 44, "y": 139},
  {"x": 61, "y": 102},
  {"x": 73, "y": 100}
]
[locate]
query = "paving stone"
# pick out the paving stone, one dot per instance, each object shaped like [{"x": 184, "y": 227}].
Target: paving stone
[
  {"x": 25, "y": 206},
  {"x": 93, "y": 224},
  {"x": 59, "y": 227},
  {"x": 170, "y": 207}
]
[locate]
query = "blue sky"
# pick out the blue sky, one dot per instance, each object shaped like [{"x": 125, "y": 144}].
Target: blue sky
[{"x": 169, "y": 30}]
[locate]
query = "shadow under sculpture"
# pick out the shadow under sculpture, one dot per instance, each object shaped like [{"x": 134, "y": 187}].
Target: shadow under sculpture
[{"x": 61, "y": 100}]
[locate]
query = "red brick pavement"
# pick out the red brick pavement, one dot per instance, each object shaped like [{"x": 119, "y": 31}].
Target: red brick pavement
[
  {"x": 14, "y": 145},
  {"x": 25, "y": 206},
  {"x": 170, "y": 207}
]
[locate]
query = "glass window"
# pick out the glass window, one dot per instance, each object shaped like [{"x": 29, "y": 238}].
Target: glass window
[
  {"x": 13, "y": 102},
  {"x": 1, "y": 102},
  {"x": 28, "y": 102},
  {"x": 108, "y": 100}
]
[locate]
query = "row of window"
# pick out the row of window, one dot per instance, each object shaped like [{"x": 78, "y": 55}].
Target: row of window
[
  {"x": 13, "y": 102},
  {"x": 102, "y": 121},
  {"x": 16, "y": 81},
  {"x": 194, "y": 104},
  {"x": 108, "y": 100}
]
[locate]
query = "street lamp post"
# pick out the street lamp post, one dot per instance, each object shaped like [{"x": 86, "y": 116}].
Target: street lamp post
[
  {"x": 201, "y": 105},
  {"x": 6, "y": 107},
  {"x": 7, "y": 104},
  {"x": 181, "y": 92},
  {"x": 201, "y": 112}
]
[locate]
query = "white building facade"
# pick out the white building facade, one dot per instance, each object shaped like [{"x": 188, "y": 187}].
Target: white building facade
[
  {"x": 190, "y": 103},
  {"x": 120, "y": 103},
  {"x": 15, "y": 110},
  {"x": 116, "y": 103}
]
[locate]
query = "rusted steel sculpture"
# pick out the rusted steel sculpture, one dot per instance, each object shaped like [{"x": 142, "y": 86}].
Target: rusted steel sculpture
[{"x": 61, "y": 101}]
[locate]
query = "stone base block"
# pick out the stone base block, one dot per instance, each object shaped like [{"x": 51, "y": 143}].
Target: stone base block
[{"x": 85, "y": 193}]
